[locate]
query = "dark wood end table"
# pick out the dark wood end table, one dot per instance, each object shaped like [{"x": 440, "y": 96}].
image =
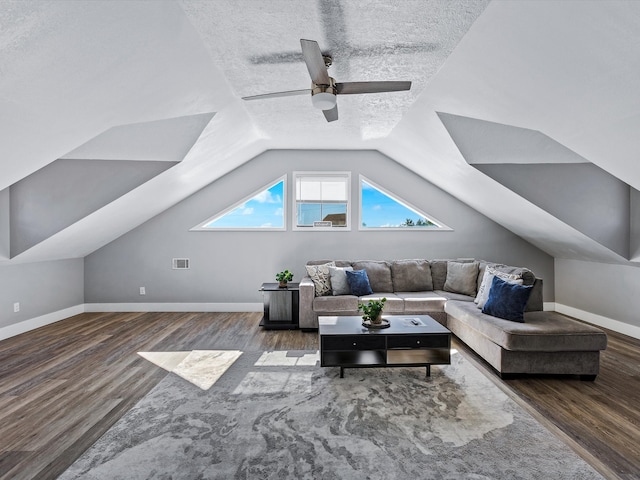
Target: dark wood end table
[{"x": 281, "y": 306}]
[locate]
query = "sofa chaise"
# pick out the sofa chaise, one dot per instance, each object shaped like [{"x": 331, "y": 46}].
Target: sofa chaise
[{"x": 451, "y": 292}]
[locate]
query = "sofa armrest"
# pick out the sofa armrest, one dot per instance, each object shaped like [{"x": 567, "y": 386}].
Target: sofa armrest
[
  {"x": 535, "y": 303},
  {"x": 307, "y": 292}
]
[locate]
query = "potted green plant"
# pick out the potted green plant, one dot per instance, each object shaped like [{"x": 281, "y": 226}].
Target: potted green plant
[
  {"x": 283, "y": 278},
  {"x": 372, "y": 311}
]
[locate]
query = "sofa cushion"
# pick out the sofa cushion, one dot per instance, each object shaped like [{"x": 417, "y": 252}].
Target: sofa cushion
[
  {"x": 338, "y": 263},
  {"x": 438, "y": 273},
  {"x": 339, "y": 284},
  {"x": 341, "y": 303},
  {"x": 528, "y": 277},
  {"x": 358, "y": 282},
  {"x": 541, "y": 331},
  {"x": 379, "y": 273},
  {"x": 455, "y": 296},
  {"x": 418, "y": 302},
  {"x": 321, "y": 278},
  {"x": 394, "y": 304},
  {"x": 507, "y": 300},
  {"x": 485, "y": 287},
  {"x": 411, "y": 276},
  {"x": 461, "y": 277}
]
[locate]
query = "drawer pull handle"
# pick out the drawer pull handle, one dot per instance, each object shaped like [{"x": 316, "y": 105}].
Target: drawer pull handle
[
  {"x": 354, "y": 344},
  {"x": 418, "y": 342}
]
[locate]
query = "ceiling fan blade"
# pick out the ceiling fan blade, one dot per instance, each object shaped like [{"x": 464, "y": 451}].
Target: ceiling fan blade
[
  {"x": 305, "y": 91},
  {"x": 348, "y": 88},
  {"x": 315, "y": 62},
  {"x": 331, "y": 115}
]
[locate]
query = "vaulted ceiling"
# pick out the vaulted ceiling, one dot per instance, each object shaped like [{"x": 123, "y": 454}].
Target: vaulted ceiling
[{"x": 496, "y": 84}]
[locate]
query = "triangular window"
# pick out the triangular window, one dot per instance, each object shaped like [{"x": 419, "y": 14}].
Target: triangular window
[
  {"x": 262, "y": 210},
  {"x": 379, "y": 209}
]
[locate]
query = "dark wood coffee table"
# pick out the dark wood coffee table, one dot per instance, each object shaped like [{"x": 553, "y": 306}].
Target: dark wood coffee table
[{"x": 346, "y": 343}]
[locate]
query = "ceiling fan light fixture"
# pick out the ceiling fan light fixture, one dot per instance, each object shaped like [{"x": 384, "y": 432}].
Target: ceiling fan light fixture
[
  {"x": 323, "y": 100},
  {"x": 323, "y": 97}
]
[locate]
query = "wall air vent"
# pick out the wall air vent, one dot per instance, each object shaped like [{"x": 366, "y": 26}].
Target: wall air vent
[{"x": 180, "y": 263}]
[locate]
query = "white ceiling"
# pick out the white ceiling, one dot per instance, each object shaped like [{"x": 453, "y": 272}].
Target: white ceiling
[{"x": 72, "y": 70}]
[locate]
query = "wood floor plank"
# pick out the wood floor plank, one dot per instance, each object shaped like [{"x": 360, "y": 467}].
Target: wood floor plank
[{"x": 62, "y": 386}]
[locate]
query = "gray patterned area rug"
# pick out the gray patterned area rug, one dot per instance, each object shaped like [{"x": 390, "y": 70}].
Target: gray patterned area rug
[{"x": 268, "y": 415}]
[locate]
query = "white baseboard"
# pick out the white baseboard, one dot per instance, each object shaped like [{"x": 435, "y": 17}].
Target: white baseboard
[
  {"x": 37, "y": 322},
  {"x": 41, "y": 321},
  {"x": 599, "y": 320},
  {"x": 173, "y": 307}
]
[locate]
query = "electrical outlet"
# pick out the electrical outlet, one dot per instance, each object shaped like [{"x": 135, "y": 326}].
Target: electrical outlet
[
  {"x": 143, "y": 291},
  {"x": 16, "y": 307}
]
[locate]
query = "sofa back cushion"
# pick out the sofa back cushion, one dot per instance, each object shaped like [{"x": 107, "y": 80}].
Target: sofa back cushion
[
  {"x": 379, "y": 273},
  {"x": 338, "y": 263},
  {"x": 438, "y": 273},
  {"x": 528, "y": 277},
  {"x": 411, "y": 276}
]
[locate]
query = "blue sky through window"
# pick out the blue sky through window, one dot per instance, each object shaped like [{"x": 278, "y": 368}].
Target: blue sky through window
[
  {"x": 381, "y": 210},
  {"x": 263, "y": 210}
]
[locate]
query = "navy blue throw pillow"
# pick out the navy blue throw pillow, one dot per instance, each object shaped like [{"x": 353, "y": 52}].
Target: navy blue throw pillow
[
  {"x": 507, "y": 300},
  {"x": 359, "y": 282}
]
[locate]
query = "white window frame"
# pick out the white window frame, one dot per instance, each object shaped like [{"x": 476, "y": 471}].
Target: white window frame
[
  {"x": 201, "y": 226},
  {"x": 440, "y": 226},
  {"x": 346, "y": 175}
]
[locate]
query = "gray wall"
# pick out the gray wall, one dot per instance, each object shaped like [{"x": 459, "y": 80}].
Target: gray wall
[
  {"x": 634, "y": 242},
  {"x": 4, "y": 223},
  {"x": 65, "y": 191},
  {"x": 230, "y": 266},
  {"x": 41, "y": 288},
  {"x": 580, "y": 194},
  {"x": 601, "y": 289}
]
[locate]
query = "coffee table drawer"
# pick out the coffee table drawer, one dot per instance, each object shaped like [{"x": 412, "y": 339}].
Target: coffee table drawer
[
  {"x": 418, "y": 341},
  {"x": 355, "y": 342}
]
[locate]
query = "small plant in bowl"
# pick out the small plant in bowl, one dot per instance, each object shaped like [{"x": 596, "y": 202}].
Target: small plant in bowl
[
  {"x": 283, "y": 278},
  {"x": 372, "y": 310}
]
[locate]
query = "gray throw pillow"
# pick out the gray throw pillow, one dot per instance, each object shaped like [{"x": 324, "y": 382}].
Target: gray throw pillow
[
  {"x": 339, "y": 284},
  {"x": 462, "y": 278}
]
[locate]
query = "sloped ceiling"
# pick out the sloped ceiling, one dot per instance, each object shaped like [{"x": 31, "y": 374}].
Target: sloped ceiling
[{"x": 73, "y": 70}]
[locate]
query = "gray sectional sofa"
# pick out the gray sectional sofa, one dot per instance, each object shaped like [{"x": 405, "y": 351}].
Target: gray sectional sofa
[{"x": 545, "y": 343}]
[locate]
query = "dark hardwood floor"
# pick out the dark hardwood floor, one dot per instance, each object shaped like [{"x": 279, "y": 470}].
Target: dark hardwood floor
[{"x": 62, "y": 386}]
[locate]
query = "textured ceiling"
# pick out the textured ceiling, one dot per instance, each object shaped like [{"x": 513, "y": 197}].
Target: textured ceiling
[
  {"x": 81, "y": 76},
  {"x": 259, "y": 52}
]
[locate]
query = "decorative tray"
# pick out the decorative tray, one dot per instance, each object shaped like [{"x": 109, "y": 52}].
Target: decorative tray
[{"x": 373, "y": 326}]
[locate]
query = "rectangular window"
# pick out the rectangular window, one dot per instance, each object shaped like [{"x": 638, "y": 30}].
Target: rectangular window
[{"x": 322, "y": 200}]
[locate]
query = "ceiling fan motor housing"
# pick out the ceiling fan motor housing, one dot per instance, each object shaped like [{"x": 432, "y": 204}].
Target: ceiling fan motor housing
[{"x": 323, "y": 97}]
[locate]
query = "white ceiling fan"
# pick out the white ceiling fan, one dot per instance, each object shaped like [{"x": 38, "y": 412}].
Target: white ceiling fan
[{"x": 324, "y": 89}]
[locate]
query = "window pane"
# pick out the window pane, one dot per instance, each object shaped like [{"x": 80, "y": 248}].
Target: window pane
[
  {"x": 316, "y": 212},
  {"x": 322, "y": 197},
  {"x": 321, "y": 189},
  {"x": 263, "y": 210},
  {"x": 381, "y": 210}
]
